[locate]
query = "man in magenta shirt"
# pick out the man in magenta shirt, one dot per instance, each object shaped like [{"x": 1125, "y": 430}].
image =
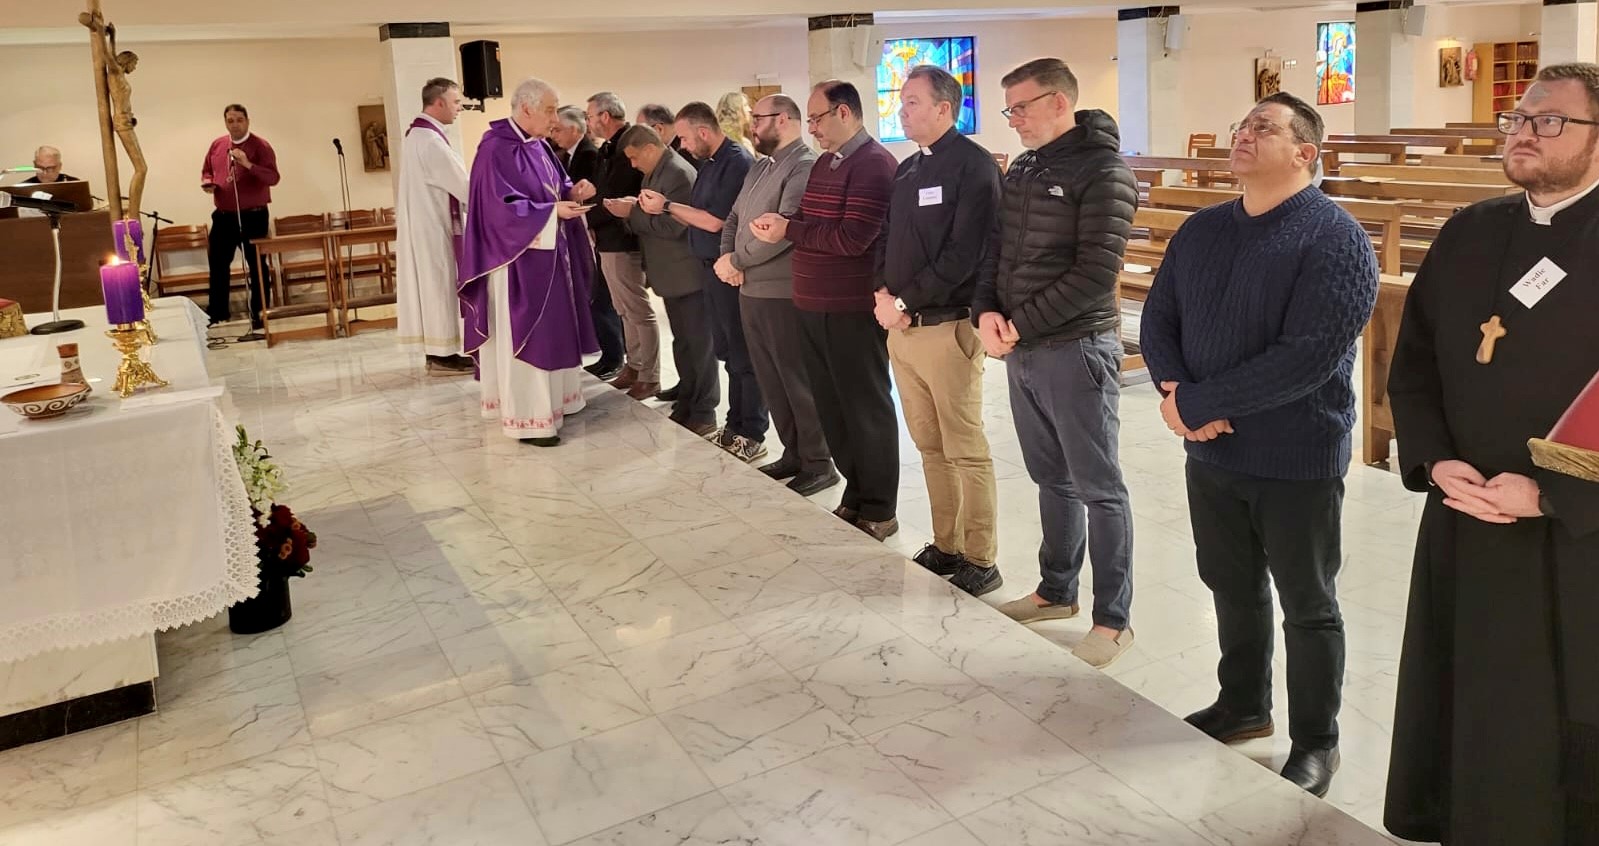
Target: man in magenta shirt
[{"x": 239, "y": 172}]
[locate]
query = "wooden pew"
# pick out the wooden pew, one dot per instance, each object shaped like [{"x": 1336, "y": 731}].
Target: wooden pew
[
  {"x": 1412, "y": 173},
  {"x": 1449, "y": 144},
  {"x": 1456, "y": 193},
  {"x": 1209, "y": 170},
  {"x": 1383, "y": 219},
  {"x": 1377, "y": 348},
  {"x": 1481, "y": 162},
  {"x": 1160, "y": 225},
  {"x": 1396, "y": 152},
  {"x": 1475, "y": 131}
]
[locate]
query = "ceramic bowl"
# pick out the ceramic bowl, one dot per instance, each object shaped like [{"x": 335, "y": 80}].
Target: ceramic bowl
[{"x": 44, "y": 401}]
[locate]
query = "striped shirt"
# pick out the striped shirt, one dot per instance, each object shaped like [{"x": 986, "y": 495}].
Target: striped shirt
[{"x": 836, "y": 230}]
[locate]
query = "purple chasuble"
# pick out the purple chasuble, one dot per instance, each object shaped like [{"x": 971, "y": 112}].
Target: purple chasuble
[{"x": 515, "y": 185}]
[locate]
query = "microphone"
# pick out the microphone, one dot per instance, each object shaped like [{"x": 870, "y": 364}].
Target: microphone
[
  {"x": 338, "y": 145},
  {"x": 8, "y": 200},
  {"x": 20, "y": 170}
]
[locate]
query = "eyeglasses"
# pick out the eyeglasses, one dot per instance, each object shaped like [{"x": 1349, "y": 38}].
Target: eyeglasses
[
  {"x": 813, "y": 120},
  {"x": 1257, "y": 128},
  {"x": 1020, "y": 109},
  {"x": 763, "y": 115},
  {"x": 1543, "y": 126}
]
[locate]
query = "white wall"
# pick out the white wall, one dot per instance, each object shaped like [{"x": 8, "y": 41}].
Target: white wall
[
  {"x": 300, "y": 95},
  {"x": 1451, "y": 26}
]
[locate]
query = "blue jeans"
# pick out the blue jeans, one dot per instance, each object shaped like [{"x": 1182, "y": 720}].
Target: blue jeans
[{"x": 1063, "y": 398}]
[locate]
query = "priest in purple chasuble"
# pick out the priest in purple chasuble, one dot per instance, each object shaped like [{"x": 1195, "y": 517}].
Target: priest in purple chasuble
[{"x": 524, "y": 273}]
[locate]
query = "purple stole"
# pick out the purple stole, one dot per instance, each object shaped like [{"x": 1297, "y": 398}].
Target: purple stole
[{"x": 457, "y": 219}]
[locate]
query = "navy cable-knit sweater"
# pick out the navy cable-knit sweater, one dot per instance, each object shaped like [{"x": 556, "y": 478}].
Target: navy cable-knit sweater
[{"x": 1256, "y": 318}]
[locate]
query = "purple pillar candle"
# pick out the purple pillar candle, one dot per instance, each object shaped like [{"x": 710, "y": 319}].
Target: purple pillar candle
[
  {"x": 121, "y": 232},
  {"x": 120, "y": 283}
]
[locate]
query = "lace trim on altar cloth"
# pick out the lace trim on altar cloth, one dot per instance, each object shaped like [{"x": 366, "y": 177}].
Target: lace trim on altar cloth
[{"x": 238, "y": 579}]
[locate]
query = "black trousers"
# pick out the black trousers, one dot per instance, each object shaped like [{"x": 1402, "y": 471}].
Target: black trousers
[
  {"x": 1248, "y": 533},
  {"x": 607, "y": 323},
  {"x": 699, "y": 390},
  {"x": 846, "y": 356},
  {"x": 223, "y": 250},
  {"x": 746, "y": 408}
]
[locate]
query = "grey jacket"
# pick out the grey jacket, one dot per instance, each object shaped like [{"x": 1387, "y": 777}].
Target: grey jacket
[
  {"x": 774, "y": 184},
  {"x": 670, "y": 269}
]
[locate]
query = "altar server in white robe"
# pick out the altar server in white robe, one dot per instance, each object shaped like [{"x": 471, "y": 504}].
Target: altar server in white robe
[{"x": 429, "y": 221}]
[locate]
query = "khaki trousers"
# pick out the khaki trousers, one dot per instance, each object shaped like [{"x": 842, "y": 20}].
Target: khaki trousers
[
  {"x": 624, "y": 273},
  {"x": 939, "y": 373}
]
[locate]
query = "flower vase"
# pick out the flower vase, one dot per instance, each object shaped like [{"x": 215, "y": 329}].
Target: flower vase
[{"x": 265, "y": 611}]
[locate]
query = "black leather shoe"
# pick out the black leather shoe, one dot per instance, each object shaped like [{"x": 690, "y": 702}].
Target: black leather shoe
[
  {"x": 1312, "y": 769},
  {"x": 806, "y": 484},
  {"x": 937, "y": 561},
  {"x": 667, "y": 394},
  {"x": 783, "y": 468},
  {"x": 1228, "y": 727},
  {"x": 604, "y": 371},
  {"x": 977, "y": 580}
]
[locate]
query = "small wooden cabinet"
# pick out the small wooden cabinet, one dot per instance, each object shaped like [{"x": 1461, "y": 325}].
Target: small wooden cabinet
[{"x": 1505, "y": 69}]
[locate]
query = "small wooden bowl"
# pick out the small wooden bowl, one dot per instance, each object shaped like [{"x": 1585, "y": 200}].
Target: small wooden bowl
[{"x": 44, "y": 401}]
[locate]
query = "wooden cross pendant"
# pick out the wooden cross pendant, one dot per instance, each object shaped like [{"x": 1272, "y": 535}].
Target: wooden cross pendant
[{"x": 1492, "y": 331}]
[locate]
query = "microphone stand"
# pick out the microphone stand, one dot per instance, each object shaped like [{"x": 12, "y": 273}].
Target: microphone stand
[
  {"x": 56, "y": 324},
  {"x": 349, "y": 251},
  {"x": 155, "y": 231},
  {"x": 250, "y": 282}
]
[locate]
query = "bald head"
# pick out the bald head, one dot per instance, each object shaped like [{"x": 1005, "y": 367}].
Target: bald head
[{"x": 775, "y": 122}]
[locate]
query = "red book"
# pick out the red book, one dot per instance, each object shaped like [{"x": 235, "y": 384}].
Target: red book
[{"x": 1572, "y": 446}]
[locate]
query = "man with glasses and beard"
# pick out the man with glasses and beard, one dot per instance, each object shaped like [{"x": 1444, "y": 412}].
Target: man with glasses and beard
[
  {"x": 763, "y": 274},
  {"x": 1496, "y": 732},
  {"x": 1249, "y": 332}
]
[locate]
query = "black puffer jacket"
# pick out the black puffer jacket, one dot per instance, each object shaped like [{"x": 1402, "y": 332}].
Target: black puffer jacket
[{"x": 1061, "y": 233}]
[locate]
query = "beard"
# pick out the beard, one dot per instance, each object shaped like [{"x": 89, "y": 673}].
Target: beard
[
  {"x": 1554, "y": 176},
  {"x": 766, "y": 144}
]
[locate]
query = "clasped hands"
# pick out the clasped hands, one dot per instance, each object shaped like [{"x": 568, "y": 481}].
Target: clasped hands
[
  {"x": 1505, "y": 498},
  {"x": 726, "y": 272},
  {"x": 769, "y": 228},
  {"x": 888, "y": 315},
  {"x": 1174, "y": 421},
  {"x": 998, "y": 334}
]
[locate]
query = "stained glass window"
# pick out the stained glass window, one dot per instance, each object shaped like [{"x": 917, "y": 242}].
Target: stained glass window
[
  {"x": 901, "y": 55},
  {"x": 1335, "y": 63}
]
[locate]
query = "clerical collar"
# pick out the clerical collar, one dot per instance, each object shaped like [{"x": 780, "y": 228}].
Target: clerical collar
[
  {"x": 240, "y": 141},
  {"x": 1546, "y": 216},
  {"x": 519, "y": 133},
  {"x": 942, "y": 143}
]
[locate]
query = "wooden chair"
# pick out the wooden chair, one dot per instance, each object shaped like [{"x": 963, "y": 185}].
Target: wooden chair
[
  {"x": 371, "y": 261},
  {"x": 1197, "y": 140},
  {"x": 386, "y": 216},
  {"x": 272, "y": 252},
  {"x": 308, "y": 267},
  {"x": 170, "y": 240},
  {"x": 380, "y": 239}
]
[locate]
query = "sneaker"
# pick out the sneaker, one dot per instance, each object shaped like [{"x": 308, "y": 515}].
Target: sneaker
[
  {"x": 604, "y": 371},
  {"x": 977, "y": 580},
  {"x": 1025, "y": 610},
  {"x": 746, "y": 449},
  {"x": 880, "y": 530},
  {"x": 806, "y": 484},
  {"x": 937, "y": 561},
  {"x": 721, "y": 437},
  {"x": 1098, "y": 651}
]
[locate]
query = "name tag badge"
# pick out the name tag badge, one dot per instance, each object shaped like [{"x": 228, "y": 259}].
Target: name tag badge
[
  {"x": 930, "y": 196},
  {"x": 1539, "y": 281}
]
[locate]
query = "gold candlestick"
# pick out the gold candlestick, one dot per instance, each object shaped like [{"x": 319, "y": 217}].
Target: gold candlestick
[
  {"x": 144, "y": 325},
  {"x": 133, "y": 372}
]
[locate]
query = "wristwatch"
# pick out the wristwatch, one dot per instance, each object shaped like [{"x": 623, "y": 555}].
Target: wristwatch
[
  {"x": 900, "y": 304},
  {"x": 666, "y": 207}
]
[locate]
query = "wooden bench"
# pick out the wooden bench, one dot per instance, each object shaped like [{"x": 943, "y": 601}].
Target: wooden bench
[
  {"x": 1377, "y": 349},
  {"x": 341, "y": 242},
  {"x": 1384, "y": 220},
  {"x": 1413, "y": 173},
  {"x": 1395, "y": 152},
  {"x": 170, "y": 240},
  {"x": 1477, "y": 162},
  {"x": 1458, "y": 193},
  {"x": 1448, "y": 143},
  {"x": 1207, "y": 170}
]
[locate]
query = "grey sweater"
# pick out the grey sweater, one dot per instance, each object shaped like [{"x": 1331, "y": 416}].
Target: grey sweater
[{"x": 774, "y": 184}]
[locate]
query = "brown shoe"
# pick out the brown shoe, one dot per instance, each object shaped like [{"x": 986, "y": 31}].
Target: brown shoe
[
  {"x": 879, "y": 529},
  {"x": 847, "y": 514},
  {"x": 643, "y": 390},
  {"x": 626, "y": 380}
]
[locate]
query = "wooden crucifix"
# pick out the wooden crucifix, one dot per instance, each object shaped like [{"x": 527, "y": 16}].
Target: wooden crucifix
[
  {"x": 1492, "y": 331},
  {"x": 117, "y": 122}
]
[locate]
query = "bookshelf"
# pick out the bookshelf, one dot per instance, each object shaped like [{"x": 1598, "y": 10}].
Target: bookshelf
[{"x": 1505, "y": 69}]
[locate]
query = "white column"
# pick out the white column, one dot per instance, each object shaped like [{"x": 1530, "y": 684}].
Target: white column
[
  {"x": 846, "y": 47},
  {"x": 1569, "y": 32},
  {"x": 413, "y": 53},
  {"x": 1385, "y": 84},
  {"x": 1149, "y": 82}
]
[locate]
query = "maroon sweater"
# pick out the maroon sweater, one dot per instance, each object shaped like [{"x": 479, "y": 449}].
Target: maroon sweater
[
  {"x": 254, "y": 183},
  {"x": 836, "y": 229}
]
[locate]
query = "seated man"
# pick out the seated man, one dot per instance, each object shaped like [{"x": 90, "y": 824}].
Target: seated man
[{"x": 47, "y": 161}]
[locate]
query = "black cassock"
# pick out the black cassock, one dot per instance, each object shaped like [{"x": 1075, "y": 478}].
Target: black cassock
[{"x": 1496, "y": 734}]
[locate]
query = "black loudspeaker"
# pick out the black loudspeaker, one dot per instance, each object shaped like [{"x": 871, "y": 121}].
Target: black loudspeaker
[{"x": 480, "y": 70}]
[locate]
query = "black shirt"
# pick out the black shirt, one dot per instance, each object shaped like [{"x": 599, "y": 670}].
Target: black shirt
[
  {"x": 34, "y": 180},
  {"x": 613, "y": 177},
  {"x": 942, "y": 206}
]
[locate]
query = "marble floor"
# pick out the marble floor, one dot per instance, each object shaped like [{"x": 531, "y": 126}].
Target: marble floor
[{"x": 635, "y": 639}]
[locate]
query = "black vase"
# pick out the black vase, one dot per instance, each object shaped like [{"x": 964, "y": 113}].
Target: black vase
[{"x": 265, "y": 611}]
